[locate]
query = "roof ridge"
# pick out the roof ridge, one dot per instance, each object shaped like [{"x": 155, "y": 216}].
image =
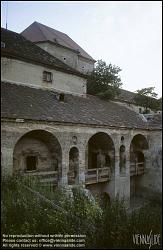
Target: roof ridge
[
  {"x": 50, "y": 27},
  {"x": 64, "y": 40}
]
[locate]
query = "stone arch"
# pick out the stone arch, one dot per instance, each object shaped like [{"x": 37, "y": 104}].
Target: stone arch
[
  {"x": 101, "y": 151},
  {"x": 140, "y": 141},
  {"x": 40, "y": 149},
  {"x": 73, "y": 172},
  {"x": 138, "y": 146}
]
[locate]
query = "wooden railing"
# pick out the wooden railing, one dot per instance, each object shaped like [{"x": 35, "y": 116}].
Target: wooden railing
[
  {"x": 93, "y": 175},
  {"x": 46, "y": 177},
  {"x": 96, "y": 175},
  {"x": 137, "y": 169}
]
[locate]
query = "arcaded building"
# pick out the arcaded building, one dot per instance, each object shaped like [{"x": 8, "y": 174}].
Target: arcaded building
[{"x": 53, "y": 129}]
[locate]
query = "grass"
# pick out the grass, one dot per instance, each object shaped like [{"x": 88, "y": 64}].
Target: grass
[{"x": 107, "y": 226}]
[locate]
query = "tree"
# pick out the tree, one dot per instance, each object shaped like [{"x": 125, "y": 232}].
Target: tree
[
  {"x": 146, "y": 97},
  {"x": 104, "y": 81},
  {"x": 160, "y": 103}
]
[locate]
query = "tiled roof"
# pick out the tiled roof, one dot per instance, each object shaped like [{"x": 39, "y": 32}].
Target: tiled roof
[
  {"x": 38, "y": 32},
  {"x": 126, "y": 96},
  {"x": 154, "y": 120},
  {"x": 18, "y": 47},
  {"x": 37, "y": 104}
]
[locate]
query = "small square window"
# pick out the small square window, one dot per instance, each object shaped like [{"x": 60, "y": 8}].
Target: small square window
[
  {"x": 61, "y": 97},
  {"x": 47, "y": 76},
  {"x": 31, "y": 163}
]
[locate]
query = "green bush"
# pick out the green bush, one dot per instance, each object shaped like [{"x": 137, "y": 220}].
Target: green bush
[{"x": 106, "y": 225}]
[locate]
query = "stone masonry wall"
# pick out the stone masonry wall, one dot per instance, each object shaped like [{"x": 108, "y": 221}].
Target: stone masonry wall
[{"x": 120, "y": 184}]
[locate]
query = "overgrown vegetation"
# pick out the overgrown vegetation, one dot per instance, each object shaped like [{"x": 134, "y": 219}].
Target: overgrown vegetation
[
  {"x": 107, "y": 226},
  {"x": 104, "y": 81},
  {"x": 146, "y": 97}
]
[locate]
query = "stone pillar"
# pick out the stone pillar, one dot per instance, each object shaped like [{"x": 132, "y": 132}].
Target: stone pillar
[
  {"x": 117, "y": 170},
  {"x": 128, "y": 195},
  {"x": 63, "y": 180},
  {"x": 7, "y": 161},
  {"x": 122, "y": 183},
  {"x": 117, "y": 163},
  {"x": 82, "y": 165},
  {"x": 128, "y": 162},
  {"x": 148, "y": 160}
]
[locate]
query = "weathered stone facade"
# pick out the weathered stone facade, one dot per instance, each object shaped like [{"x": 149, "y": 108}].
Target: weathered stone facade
[
  {"x": 68, "y": 56},
  {"x": 70, "y": 136},
  {"x": 74, "y": 140}
]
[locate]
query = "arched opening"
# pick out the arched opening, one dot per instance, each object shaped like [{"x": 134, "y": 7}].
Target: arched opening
[
  {"x": 101, "y": 156},
  {"x": 122, "y": 160},
  {"x": 37, "y": 152},
  {"x": 139, "y": 145},
  {"x": 73, "y": 166}
]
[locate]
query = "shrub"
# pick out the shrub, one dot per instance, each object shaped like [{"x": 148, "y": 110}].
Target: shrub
[{"x": 106, "y": 225}]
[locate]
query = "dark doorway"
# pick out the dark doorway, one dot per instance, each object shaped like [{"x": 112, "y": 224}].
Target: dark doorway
[
  {"x": 94, "y": 160},
  {"x": 31, "y": 162}
]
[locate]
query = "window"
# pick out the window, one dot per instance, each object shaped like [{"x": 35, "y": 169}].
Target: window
[
  {"x": 107, "y": 161},
  {"x": 140, "y": 110},
  {"x": 47, "y": 76},
  {"x": 61, "y": 97},
  {"x": 122, "y": 139},
  {"x": 31, "y": 162}
]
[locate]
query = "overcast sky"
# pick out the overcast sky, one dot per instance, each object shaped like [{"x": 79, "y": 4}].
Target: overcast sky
[{"x": 127, "y": 34}]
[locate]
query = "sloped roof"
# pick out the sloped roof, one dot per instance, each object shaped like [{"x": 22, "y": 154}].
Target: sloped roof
[
  {"x": 126, "y": 96},
  {"x": 38, "y": 32},
  {"x": 18, "y": 47},
  {"x": 154, "y": 120},
  {"x": 36, "y": 104}
]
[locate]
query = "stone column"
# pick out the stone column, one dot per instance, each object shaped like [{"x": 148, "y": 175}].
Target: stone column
[
  {"x": 117, "y": 170},
  {"x": 127, "y": 194},
  {"x": 82, "y": 165},
  {"x": 117, "y": 163},
  {"x": 128, "y": 162},
  {"x": 148, "y": 160},
  {"x": 63, "y": 180},
  {"x": 7, "y": 161}
]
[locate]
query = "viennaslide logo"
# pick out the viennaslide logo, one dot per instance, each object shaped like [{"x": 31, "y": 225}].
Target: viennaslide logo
[{"x": 146, "y": 239}]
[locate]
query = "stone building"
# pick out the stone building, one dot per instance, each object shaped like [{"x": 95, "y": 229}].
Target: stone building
[{"x": 53, "y": 129}]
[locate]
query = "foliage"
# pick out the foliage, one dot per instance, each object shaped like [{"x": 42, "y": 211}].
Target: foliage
[
  {"x": 106, "y": 225},
  {"x": 104, "y": 81},
  {"x": 147, "y": 92},
  {"x": 160, "y": 103},
  {"x": 146, "y": 97}
]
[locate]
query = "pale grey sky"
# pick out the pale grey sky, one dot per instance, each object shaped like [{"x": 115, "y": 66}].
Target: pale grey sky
[{"x": 127, "y": 34}]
